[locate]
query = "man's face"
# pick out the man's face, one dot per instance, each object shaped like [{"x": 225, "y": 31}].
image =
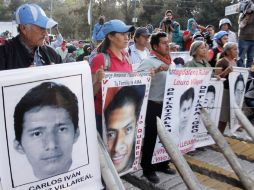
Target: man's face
[
  {"x": 239, "y": 91},
  {"x": 142, "y": 40},
  {"x": 33, "y": 35},
  {"x": 225, "y": 27},
  {"x": 120, "y": 135},
  {"x": 169, "y": 16},
  {"x": 209, "y": 101},
  {"x": 185, "y": 111},
  {"x": 210, "y": 30},
  {"x": 163, "y": 47},
  {"x": 47, "y": 140}
]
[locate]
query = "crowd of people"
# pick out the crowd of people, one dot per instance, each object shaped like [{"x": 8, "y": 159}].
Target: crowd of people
[{"x": 123, "y": 48}]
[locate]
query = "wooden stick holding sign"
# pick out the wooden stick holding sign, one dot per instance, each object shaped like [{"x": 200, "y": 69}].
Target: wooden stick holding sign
[
  {"x": 108, "y": 171},
  {"x": 247, "y": 182},
  {"x": 184, "y": 169},
  {"x": 244, "y": 121}
]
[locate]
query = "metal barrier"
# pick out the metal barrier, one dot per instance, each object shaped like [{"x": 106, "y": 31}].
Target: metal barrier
[
  {"x": 108, "y": 171},
  {"x": 184, "y": 169},
  {"x": 226, "y": 150},
  {"x": 244, "y": 121}
]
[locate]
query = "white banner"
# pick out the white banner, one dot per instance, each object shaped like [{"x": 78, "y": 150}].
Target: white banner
[
  {"x": 125, "y": 97},
  {"x": 184, "y": 55},
  {"x": 184, "y": 93},
  {"x": 212, "y": 102},
  {"x": 48, "y": 134},
  {"x": 237, "y": 82}
]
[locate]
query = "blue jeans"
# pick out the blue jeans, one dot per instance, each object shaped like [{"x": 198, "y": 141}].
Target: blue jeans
[{"x": 245, "y": 47}]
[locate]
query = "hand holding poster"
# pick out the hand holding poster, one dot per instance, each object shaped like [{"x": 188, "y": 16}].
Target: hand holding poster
[
  {"x": 45, "y": 129},
  {"x": 237, "y": 82},
  {"x": 184, "y": 92},
  {"x": 125, "y": 97}
]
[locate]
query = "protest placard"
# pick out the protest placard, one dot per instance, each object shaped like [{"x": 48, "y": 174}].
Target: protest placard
[
  {"x": 237, "y": 83},
  {"x": 184, "y": 93},
  {"x": 47, "y": 117},
  {"x": 212, "y": 102},
  {"x": 125, "y": 97}
]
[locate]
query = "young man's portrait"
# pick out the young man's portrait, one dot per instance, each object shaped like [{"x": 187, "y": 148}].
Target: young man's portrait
[
  {"x": 122, "y": 110},
  {"x": 46, "y": 127}
]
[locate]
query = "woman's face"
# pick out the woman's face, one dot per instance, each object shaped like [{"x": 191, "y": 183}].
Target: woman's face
[
  {"x": 224, "y": 39},
  {"x": 239, "y": 91},
  {"x": 201, "y": 51},
  {"x": 120, "y": 135},
  {"x": 119, "y": 40},
  {"x": 233, "y": 52}
]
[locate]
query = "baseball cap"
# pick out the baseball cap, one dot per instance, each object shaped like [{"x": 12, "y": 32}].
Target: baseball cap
[
  {"x": 33, "y": 14},
  {"x": 116, "y": 26},
  {"x": 142, "y": 30}
]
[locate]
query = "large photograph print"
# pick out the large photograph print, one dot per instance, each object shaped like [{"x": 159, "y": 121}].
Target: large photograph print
[
  {"x": 124, "y": 108},
  {"x": 46, "y": 140},
  {"x": 184, "y": 93}
]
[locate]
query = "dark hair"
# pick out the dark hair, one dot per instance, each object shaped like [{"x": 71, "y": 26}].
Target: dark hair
[
  {"x": 155, "y": 38},
  {"x": 45, "y": 94},
  {"x": 187, "y": 95},
  {"x": 127, "y": 95},
  {"x": 210, "y": 26},
  {"x": 104, "y": 45},
  {"x": 239, "y": 79},
  {"x": 211, "y": 88}
]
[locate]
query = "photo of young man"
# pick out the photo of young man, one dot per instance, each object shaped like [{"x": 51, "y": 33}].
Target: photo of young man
[
  {"x": 122, "y": 110},
  {"x": 46, "y": 128},
  {"x": 186, "y": 102},
  {"x": 239, "y": 89},
  {"x": 210, "y": 99}
]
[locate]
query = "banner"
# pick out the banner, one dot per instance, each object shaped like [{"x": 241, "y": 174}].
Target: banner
[
  {"x": 184, "y": 93},
  {"x": 212, "y": 102},
  {"x": 237, "y": 82},
  {"x": 47, "y": 138},
  {"x": 125, "y": 97}
]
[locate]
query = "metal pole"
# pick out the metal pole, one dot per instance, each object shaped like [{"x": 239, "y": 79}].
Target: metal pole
[
  {"x": 91, "y": 24},
  {"x": 51, "y": 7},
  {"x": 108, "y": 171},
  {"x": 135, "y": 4},
  {"x": 184, "y": 169},
  {"x": 244, "y": 121},
  {"x": 226, "y": 150}
]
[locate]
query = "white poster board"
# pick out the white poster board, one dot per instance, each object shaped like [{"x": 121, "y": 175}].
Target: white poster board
[
  {"x": 212, "y": 103},
  {"x": 54, "y": 147},
  {"x": 237, "y": 83},
  {"x": 125, "y": 97},
  {"x": 184, "y": 92}
]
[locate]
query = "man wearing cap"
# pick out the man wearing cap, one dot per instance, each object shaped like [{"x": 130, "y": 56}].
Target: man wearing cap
[
  {"x": 139, "y": 51},
  {"x": 28, "y": 49}
]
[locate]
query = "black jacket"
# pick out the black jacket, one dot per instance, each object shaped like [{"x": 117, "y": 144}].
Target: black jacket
[{"x": 14, "y": 55}]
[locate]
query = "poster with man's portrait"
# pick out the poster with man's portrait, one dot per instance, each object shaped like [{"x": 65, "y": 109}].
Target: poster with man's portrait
[
  {"x": 237, "y": 85},
  {"x": 212, "y": 103},
  {"x": 46, "y": 141},
  {"x": 184, "y": 92},
  {"x": 125, "y": 97}
]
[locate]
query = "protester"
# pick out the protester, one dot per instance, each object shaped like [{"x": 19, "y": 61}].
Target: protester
[
  {"x": 198, "y": 51},
  {"x": 98, "y": 34},
  {"x": 177, "y": 36},
  {"x": 54, "y": 43},
  {"x": 214, "y": 54},
  {"x": 80, "y": 49},
  {"x": 225, "y": 25},
  {"x": 87, "y": 52},
  {"x": 173, "y": 47},
  {"x": 62, "y": 51},
  {"x": 71, "y": 55},
  {"x": 192, "y": 28},
  {"x": 161, "y": 61},
  {"x": 166, "y": 25},
  {"x": 139, "y": 51},
  {"x": 209, "y": 35},
  {"x": 122, "y": 110},
  {"x": 28, "y": 49},
  {"x": 245, "y": 33},
  {"x": 226, "y": 63},
  {"x": 112, "y": 49}
]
